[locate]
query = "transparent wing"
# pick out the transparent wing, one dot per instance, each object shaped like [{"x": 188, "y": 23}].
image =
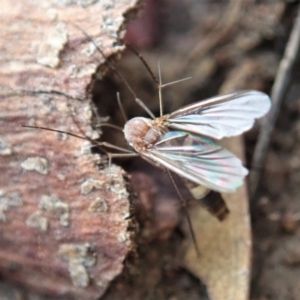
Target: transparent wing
[
  {"x": 198, "y": 159},
  {"x": 222, "y": 116}
]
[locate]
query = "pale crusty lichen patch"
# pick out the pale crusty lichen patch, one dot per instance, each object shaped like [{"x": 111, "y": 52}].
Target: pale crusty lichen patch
[
  {"x": 2, "y": 215},
  {"x": 38, "y": 164},
  {"x": 54, "y": 205},
  {"x": 116, "y": 183},
  {"x": 5, "y": 148},
  {"x": 38, "y": 221},
  {"x": 90, "y": 184},
  {"x": 83, "y": 3},
  {"x": 52, "y": 45},
  {"x": 98, "y": 206},
  {"x": 123, "y": 237},
  {"x": 7, "y": 202},
  {"x": 79, "y": 258},
  {"x": 49, "y": 204}
]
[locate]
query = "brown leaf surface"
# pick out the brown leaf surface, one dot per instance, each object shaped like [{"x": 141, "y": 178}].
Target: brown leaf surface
[{"x": 225, "y": 247}]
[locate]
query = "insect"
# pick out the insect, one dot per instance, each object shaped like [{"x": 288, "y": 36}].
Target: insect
[{"x": 185, "y": 141}]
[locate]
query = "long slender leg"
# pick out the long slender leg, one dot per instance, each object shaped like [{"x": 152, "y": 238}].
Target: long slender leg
[
  {"x": 113, "y": 67},
  {"x": 184, "y": 205},
  {"x": 101, "y": 144}
]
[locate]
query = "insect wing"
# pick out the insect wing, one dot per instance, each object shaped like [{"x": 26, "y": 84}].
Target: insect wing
[
  {"x": 222, "y": 116},
  {"x": 200, "y": 160}
]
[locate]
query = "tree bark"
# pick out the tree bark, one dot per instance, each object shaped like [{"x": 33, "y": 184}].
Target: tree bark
[{"x": 63, "y": 223}]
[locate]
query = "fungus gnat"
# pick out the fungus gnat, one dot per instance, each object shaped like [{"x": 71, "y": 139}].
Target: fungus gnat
[{"x": 185, "y": 141}]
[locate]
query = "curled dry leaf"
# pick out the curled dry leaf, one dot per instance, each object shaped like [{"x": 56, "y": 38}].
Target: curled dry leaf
[
  {"x": 62, "y": 221},
  {"x": 225, "y": 247}
]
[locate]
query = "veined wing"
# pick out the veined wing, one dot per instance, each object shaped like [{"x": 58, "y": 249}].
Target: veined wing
[
  {"x": 222, "y": 116},
  {"x": 198, "y": 159}
]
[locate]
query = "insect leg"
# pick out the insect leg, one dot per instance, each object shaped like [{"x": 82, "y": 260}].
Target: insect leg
[
  {"x": 159, "y": 91},
  {"x": 100, "y": 144},
  {"x": 161, "y": 86},
  {"x": 111, "y": 146},
  {"x": 183, "y": 202},
  {"x": 119, "y": 155},
  {"x": 113, "y": 67},
  {"x": 109, "y": 125},
  {"x": 125, "y": 118}
]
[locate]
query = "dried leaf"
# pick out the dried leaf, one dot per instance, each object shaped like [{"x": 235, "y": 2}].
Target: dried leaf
[{"x": 225, "y": 247}]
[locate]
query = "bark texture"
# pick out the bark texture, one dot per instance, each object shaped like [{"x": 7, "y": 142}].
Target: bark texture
[{"x": 63, "y": 223}]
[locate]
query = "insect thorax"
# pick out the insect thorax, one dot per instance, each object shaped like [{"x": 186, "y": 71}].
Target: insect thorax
[{"x": 142, "y": 133}]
